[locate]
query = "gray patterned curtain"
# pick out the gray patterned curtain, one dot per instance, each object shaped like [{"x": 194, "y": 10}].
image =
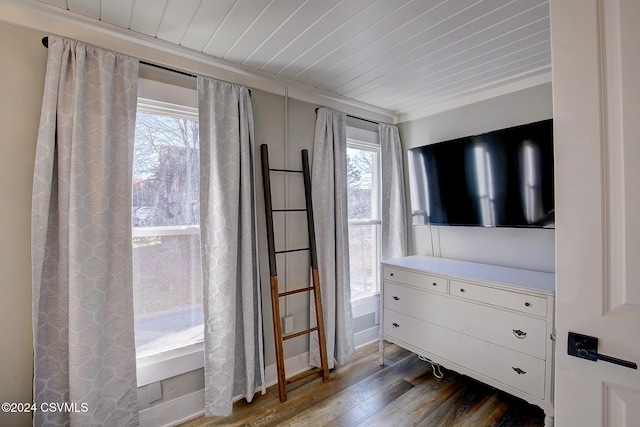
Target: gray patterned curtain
[
  {"x": 329, "y": 193},
  {"x": 394, "y": 206},
  {"x": 84, "y": 350},
  {"x": 233, "y": 347}
]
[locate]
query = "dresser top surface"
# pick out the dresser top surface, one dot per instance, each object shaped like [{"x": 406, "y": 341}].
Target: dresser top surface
[{"x": 527, "y": 279}]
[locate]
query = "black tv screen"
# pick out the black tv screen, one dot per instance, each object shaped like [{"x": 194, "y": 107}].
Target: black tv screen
[{"x": 502, "y": 178}]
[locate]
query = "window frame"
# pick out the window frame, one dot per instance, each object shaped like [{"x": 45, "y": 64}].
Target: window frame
[
  {"x": 155, "y": 367},
  {"x": 362, "y": 140}
]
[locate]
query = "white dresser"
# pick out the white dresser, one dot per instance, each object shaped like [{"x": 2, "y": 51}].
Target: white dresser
[{"x": 491, "y": 323}]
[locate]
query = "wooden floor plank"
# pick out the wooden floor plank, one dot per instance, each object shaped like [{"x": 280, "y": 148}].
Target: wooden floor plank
[
  {"x": 457, "y": 408},
  {"x": 414, "y": 404},
  {"x": 371, "y": 405},
  {"x": 519, "y": 413},
  {"x": 435, "y": 393},
  {"x": 489, "y": 413},
  {"x": 403, "y": 392},
  {"x": 410, "y": 366},
  {"x": 319, "y": 415}
]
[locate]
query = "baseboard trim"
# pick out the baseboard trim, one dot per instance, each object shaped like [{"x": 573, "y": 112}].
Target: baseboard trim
[
  {"x": 174, "y": 412},
  {"x": 362, "y": 338}
]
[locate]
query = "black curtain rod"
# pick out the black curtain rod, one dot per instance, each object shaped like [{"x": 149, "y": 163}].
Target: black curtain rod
[
  {"x": 363, "y": 119},
  {"x": 358, "y": 118},
  {"x": 184, "y": 73},
  {"x": 45, "y": 42}
]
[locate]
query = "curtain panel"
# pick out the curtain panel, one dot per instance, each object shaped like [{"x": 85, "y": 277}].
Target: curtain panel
[
  {"x": 394, "y": 207},
  {"x": 234, "y": 361},
  {"x": 84, "y": 350},
  {"x": 329, "y": 194}
]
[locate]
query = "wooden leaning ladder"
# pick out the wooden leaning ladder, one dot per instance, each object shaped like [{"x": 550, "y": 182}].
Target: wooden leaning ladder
[{"x": 273, "y": 279}]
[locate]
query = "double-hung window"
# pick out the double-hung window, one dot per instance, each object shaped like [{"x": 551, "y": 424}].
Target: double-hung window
[
  {"x": 363, "y": 192},
  {"x": 166, "y": 232}
]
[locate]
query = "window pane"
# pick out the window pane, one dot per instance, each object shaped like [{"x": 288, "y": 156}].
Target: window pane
[
  {"x": 362, "y": 260},
  {"x": 165, "y": 172},
  {"x": 167, "y": 292},
  {"x": 167, "y": 278},
  {"x": 361, "y": 167},
  {"x": 362, "y": 189}
]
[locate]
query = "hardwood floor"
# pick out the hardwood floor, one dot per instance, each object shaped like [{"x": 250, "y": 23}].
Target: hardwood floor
[{"x": 404, "y": 392}]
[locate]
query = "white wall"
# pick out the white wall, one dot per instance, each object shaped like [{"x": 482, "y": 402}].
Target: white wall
[
  {"x": 523, "y": 248},
  {"x": 22, "y": 67},
  {"x": 278, "y": 119}
]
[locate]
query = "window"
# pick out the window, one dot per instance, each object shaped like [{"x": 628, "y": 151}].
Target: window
[
  {"x": 363, "y": 184},
  {"x": 166, "y": 233}
]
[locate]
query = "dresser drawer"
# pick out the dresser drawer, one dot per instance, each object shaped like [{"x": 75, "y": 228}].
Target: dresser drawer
[
  {"x": 419, "y": 280},
  {"x": 513, "y": 300},
  {"x": 519, "y": 332},
  {"x": 508, "y": 367}
]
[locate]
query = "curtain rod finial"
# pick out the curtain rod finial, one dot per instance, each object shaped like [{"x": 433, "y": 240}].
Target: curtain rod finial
[{"x": 45, "y": 42}]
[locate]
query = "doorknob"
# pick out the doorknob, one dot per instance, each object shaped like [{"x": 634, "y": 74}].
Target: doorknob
[{"x": 586, "y": 347}]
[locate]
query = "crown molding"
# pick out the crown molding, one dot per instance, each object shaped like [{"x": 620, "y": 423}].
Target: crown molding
[{"x": 524, "y": 82}]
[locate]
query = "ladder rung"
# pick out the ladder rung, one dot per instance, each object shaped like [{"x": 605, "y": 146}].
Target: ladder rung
[
  {"x": 285, "y": 170},
  {"x": 289, "y": 210},
  {"x": 295, "y": 291},
  {"x": 304, "y": 375},
  {"x": 299, "y": 334},
  {"x": 291, "y": 250}
]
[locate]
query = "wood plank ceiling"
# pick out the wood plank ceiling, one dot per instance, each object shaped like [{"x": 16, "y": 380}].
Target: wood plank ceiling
[{"x": 399, "y": 55}]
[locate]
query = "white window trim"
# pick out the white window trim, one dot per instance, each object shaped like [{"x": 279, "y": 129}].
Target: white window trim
[
  {"x": 357, "y": 222},
  {"x": 152, "y": 106},
  {"x": 367, "y": 305},
  {"x": 156, "y": 367},
  {"x": 178, "y": 230},
  {"x": 363, "y": 135},
  {"x": 160, "y": 366}
]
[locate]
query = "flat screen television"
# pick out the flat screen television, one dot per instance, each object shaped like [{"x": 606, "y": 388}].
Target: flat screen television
[{"x": 502, "y": 178}]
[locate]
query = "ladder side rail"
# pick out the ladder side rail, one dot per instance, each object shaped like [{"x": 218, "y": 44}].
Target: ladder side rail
[
  {"x": 273, "y": 276},
  {"x": 268, "y": 207},
  {"x": 309, "y": 205}
]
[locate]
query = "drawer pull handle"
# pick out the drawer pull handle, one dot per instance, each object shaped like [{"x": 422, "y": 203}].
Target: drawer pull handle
[
  {"x": 462, "y": 290},
  {"x": 434, "y": 284},
  {"x": 391, "y": 274},
  {"x": 519, "y": 334},
  {"x": 395, "y": 325},
  {"x": 519, "y": 371},
  {"x": 527, "y": 304},
  {"x": 396, "y": 298}
]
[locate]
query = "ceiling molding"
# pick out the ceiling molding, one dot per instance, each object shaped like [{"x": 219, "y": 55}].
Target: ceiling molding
[{"x": 543, "y": 77}]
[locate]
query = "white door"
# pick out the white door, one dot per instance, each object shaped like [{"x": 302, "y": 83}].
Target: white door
[{"x": 596, "y": 97}]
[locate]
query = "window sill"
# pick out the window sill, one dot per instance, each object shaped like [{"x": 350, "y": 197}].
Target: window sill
[
  {"x": 167, "y": 364},
  {"x": 363, "y": 306}
]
